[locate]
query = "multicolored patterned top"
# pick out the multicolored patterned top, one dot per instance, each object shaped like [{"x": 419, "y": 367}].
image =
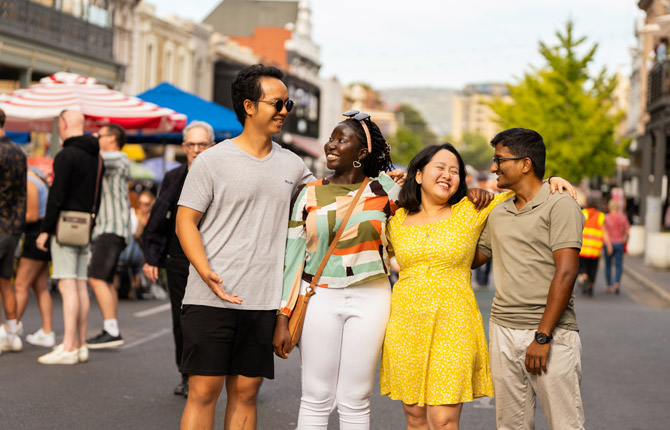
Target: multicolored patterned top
[{"x": 361, "y": 254}]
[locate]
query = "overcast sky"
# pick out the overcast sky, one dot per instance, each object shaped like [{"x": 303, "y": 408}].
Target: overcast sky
[{"x": 449, "y": 43}]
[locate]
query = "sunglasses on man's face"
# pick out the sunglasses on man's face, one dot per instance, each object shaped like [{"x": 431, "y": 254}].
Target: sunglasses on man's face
[
  {"x": 357, "y": 115},
  {"x": 279, "y": 104}
]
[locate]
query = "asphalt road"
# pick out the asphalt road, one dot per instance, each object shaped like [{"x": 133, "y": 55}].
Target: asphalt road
[{"x": 626, "y": 374}]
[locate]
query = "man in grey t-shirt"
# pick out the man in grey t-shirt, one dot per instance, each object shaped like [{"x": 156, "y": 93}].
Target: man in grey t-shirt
[
  {"x": 232, "y": 223},
  {"x": 534, "y": 240}
]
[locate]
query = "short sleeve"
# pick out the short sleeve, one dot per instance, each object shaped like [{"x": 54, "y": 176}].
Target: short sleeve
[
  {"x": 566, "y": 224},
  {"x": 198, "y": 190},
  {"x": 484, "y": 244}
]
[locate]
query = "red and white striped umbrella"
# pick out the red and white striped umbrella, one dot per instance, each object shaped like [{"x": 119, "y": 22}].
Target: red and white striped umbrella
[{"x": 35, "y": 107}]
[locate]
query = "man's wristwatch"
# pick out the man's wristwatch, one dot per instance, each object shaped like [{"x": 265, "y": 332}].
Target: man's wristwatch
[{"x": 542, "y": 338}]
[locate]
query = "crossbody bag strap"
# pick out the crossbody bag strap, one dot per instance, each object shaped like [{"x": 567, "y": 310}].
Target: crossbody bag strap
[
  {"x": 331, "y": 248},
  {"x": 97, "y": 185}
]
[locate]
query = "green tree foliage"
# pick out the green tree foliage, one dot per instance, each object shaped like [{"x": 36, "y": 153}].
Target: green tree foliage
[
  {"x": 571, "y": 109},
  {"x": 412, "y": 135},
  {"x": 475, "y": 150}
]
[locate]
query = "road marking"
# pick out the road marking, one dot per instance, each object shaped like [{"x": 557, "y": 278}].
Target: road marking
[
  {"x": 151, "y": 311},
  {"x": 146, "y": 339}
]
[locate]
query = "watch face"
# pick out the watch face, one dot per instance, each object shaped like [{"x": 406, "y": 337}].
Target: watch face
[{"x": 541, "y": 338}]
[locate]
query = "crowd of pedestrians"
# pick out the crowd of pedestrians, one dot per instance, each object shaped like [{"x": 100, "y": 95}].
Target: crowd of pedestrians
[{"x": 243, "y": 230}]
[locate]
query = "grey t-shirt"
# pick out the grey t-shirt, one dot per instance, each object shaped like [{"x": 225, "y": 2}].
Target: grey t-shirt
[
  {"x": 522, "y": 244},
  {"x": 245, "y": 205}
]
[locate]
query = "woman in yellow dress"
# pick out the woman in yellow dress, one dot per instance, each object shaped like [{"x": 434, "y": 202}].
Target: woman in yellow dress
[{"x": 435, "y": 356}]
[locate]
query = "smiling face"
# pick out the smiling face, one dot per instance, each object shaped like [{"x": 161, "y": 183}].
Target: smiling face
[
  {"x": 343, "y": 148},
  {"x": 509, "y": 172},
  {"x": 264, "y": 116},
  {"x": 440, "y": 178}
]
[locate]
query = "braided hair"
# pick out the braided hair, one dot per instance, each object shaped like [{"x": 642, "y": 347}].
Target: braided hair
[{"x": 380, "y": 158}]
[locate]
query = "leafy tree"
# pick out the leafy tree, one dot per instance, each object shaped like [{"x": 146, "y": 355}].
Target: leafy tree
[
  {"x": 572, "y": 110},
  {"x": 404, "y": 146},
  {"x": 475, "y": 150},
  {"x": 412, "y": 135},
  {"x": 411, "y": 119}
]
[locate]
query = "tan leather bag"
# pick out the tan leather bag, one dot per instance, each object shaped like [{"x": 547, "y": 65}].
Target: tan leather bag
[
  {"x": 297, "y": 319},
  {"x": 74, "y": 227}
]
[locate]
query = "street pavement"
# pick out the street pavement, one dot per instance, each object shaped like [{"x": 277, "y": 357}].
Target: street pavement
[{"x": 626, "y": 370}]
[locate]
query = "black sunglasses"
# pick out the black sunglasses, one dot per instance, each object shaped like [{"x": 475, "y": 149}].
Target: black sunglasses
[
  {"x": 279, "y": 104},
  {"x": 358, "y": 116}
]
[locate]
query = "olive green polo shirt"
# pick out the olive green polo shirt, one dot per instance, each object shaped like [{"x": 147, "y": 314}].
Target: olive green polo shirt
[{"x": 522, "y": 243}]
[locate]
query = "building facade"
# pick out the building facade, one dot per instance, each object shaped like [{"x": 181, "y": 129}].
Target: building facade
[
  {"x": 650, "y": 109},
  {"x": 168, "y": 49},
  {"x": 472, "y": 114},
  {"x": 41, "y": 37}
]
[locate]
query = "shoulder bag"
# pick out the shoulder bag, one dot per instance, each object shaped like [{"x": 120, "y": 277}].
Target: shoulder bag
[
  {"x": 297, "y": 319},
  {"x": 74, "y": 227}
]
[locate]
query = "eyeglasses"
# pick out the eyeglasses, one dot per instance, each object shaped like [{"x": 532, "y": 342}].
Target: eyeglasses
[
  {"x": 102, "y": 135},
  {"x": 360, "y": 116},
  {"x": 279, "y": 104},
  {"x": 498, "y": 160},
  {"x": 201, "y": 145}
]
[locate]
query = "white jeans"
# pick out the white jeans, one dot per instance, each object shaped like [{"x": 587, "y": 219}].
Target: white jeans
[{"x": 340, "y": 346}]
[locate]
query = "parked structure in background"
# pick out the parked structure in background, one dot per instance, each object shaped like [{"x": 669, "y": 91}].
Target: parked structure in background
[{"x": 470, "y": 112}]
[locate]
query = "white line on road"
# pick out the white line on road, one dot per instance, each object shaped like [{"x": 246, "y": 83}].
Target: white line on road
[
  {"x": 151, "y": 311},
  {"x": 146, "y": 339}
]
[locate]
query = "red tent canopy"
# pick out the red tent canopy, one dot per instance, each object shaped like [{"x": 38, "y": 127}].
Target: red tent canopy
[{"x": 35, "y": 107}]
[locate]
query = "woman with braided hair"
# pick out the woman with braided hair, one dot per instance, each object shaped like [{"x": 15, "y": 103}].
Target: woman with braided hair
[{"x": 346, "y": 318}]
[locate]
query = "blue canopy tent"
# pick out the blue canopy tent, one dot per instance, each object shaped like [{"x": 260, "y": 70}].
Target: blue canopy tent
[
  {"x": 222, "y": 119},
  {"x": 18, "y": 137}
]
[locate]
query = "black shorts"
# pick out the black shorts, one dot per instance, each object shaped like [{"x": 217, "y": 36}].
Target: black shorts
[
  {"x": 30, "y": 248},
  {"x": 221, "y": 341},
  {"x": 8, "y": 244},
  {"x": 105, "y": 254},
  {"x": 589, "y": 266}
]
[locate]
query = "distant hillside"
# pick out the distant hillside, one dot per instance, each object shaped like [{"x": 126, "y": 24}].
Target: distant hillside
[{"x": 435, "y": 104}]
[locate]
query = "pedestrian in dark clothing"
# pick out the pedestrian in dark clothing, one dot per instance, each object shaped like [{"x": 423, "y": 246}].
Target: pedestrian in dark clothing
[
  {"x": 74, "y": 186},
  {"x": 160, "y": 243},
  {"x": 13, "y": 168}
]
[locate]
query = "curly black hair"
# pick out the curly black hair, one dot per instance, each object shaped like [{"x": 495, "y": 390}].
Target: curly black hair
[{"x": 380, "y": 158}]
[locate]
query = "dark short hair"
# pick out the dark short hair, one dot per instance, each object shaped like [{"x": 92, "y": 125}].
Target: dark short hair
[
  {"x": 523, "y": 142},
  {"x": 3, "y": 118},
  {"x": 410, "y": 194},
  {"x": 247, "y": 86},
  {"x": 118, "y": 132}
]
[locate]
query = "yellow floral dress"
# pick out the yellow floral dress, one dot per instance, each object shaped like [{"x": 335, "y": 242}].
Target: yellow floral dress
[{"x": 435, "y": 350}]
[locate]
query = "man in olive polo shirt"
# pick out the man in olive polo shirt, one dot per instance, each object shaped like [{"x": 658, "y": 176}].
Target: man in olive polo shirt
[{"x": 534, "y": 240}]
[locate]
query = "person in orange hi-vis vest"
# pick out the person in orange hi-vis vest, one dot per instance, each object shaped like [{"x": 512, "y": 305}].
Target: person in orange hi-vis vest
[{"x": 593, "y": 237}]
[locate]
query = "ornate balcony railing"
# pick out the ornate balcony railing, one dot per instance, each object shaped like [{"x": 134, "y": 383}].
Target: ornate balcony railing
[{"x": 31, "y": 21}]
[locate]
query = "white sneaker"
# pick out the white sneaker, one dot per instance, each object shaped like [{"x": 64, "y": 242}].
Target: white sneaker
[
  {"x": 60, "y": 356},
  {"x": 11, "y": 342},
  {"x": 83, "y": 354},
  {"x": 39, "y": 338}
]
